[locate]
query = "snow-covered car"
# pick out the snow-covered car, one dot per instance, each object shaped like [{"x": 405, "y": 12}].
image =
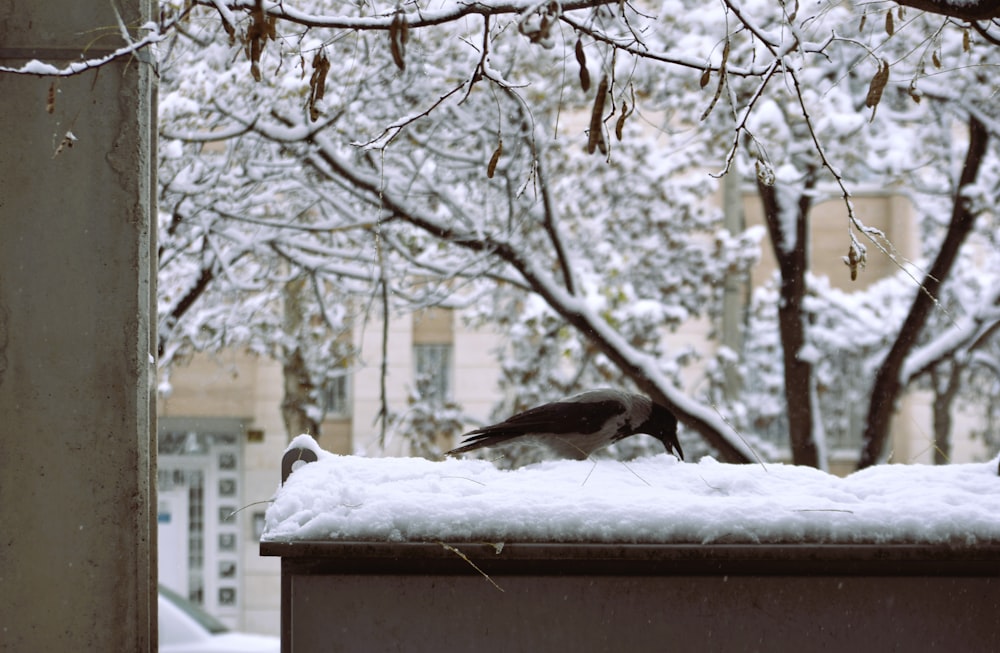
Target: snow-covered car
[{"x": 186, "y": 628}]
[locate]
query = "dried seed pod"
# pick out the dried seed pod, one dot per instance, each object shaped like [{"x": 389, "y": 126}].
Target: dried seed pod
[
  {"x": 879, "y": 80},
  {"x": 890, "y": 28},
  {"x": 491, "y": 168},
  {"x": 399, "y": 34},
  {"x": 722, "y": 81},
  {"x": 50, "y": 98},
  {"x": 620, "y": 125},
  {"x": 596, "y": 139},
  {"x": 317, "y": 83},
  {"x": 581, "y": 58},
  {"x": 965, "y": 40},
  {"x": 705, "y": 78},
  {"x": 324, "y": 68},
  {"x": 864, "y": 19},
  {"x": 936, "y": 58}
]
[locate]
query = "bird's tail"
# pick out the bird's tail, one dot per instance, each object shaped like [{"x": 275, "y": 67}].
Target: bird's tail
[{"x": 478, "y": 440}]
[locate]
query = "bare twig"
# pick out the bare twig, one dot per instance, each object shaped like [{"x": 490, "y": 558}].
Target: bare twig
[{"x": 461, "y": 555}]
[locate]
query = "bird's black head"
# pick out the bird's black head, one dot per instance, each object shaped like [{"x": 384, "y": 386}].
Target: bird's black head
[{"x": 662, "y": 425}]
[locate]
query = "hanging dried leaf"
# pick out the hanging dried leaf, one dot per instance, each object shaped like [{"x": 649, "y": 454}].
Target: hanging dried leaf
[
  {"x": 492, "y": 167},
  {"x": 965, "y": 40},
  {"x": 864, "y": 19},
  {"x": 317, "y": 83},
  {"x": 596, "y": 139},
  {"x": 890, "y": 28},
  {"x": 877, "y": 85},
  {"x": 936, "y": 58},
  {"x": 581, "y": 58},
  {"x": 912, "y": 91},
  {"x": 399, "y": 34},
  {"x": 705, "y": 78}
]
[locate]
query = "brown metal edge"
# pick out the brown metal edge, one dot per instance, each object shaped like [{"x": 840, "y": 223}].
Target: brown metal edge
[{"x": 636, "y": 559}]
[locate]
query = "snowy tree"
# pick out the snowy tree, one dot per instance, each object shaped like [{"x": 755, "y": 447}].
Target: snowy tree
[
  {"x": 553, "y": 159},
  {"x": 468, "y": 176}
]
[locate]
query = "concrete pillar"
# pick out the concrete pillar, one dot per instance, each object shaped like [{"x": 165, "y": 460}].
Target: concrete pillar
[{"x": 77, "y": 447}]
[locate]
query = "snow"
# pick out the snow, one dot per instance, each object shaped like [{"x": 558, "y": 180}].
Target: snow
[
  {"x": 650, "y": 500},
  {"x": 36, "y": 67}
]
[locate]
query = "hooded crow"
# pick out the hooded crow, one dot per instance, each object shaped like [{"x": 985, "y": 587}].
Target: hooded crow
[{"x": 577, "y": 426}]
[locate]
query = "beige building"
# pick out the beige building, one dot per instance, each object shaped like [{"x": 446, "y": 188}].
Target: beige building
[{"x": 222, "y": 435}]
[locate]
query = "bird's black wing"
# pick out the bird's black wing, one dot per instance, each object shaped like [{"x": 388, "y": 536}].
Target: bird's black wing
[{"x": 557, "y": 418}]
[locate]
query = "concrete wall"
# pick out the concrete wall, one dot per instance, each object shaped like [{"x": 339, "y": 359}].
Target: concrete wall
[{"x": 77, "y": 570}]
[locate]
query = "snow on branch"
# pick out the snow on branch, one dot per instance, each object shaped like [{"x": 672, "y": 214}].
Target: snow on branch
[
  {"x": 137, "y": 49},
  {"x": 960, "y": 340},
  {"x": 422, "y": 18}
]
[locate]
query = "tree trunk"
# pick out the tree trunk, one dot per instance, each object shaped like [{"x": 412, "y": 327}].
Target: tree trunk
[
  {"x": 298, "y": 399},
  {"x": 887, "y": 386},
  {"x": 945, "y": 392},
  {"x": 791, "y": 250}
]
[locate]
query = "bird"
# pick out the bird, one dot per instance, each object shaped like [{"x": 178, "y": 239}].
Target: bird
[{"x": 577, "y": 426}]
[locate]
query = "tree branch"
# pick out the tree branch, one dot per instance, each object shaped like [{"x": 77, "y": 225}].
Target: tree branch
[
  {"x": 888, "y": 382},
  {"x": 964, "y": 9},
  {"x": 791, "y": 251},
  {"x": 633, "y": 363}
]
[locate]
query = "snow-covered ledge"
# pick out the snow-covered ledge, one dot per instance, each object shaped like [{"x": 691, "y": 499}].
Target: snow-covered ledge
[{"x": 409, "y": 554}]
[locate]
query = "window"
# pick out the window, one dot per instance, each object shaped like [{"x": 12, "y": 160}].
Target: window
[
  {"x": 336, "y": 402},
  {"x": 432, "y": 363}
]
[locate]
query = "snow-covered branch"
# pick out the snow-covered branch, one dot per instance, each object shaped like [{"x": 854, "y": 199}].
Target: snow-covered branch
[
  {"x": 138, "y": 49},
  {"x": 422, "y": 17},
  {"x": 960, "y": 341}
]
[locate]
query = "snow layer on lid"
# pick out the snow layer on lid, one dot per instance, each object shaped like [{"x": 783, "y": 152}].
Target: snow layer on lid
[{"x": 651, "y": 500}]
